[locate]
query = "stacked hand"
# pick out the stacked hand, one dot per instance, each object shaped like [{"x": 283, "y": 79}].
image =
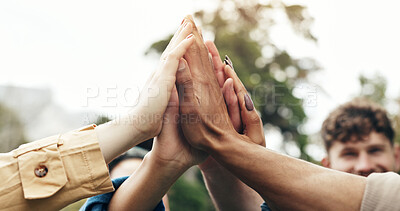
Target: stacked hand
[
  {"x": 148, "y": 114},
  {"x": 203, "y": 84},
  {"x": 191, "y": 103},
  {"x": 204, "y": 116},
  {"x": 211, "y": 113}
]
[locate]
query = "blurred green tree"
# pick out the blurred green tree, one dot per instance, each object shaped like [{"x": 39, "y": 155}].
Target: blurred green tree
[
  {"x": 102, "y": 119},
  {"x": 374, "y": 88},
  {"x": 187, "y": 195},
  {"x": 11, "y": 130},
  {"x": 241, "y": 29}
]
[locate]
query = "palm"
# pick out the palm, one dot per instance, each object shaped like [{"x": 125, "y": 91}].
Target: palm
[{"x": 171, "y": 145}]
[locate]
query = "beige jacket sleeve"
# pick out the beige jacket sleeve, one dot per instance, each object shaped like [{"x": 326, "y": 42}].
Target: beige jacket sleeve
[
  {"x": 382, "y": 192},
  {"x": 53, "y": 172}
]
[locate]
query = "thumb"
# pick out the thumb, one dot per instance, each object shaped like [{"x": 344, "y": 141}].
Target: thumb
[
  {"x": 252, "y": 124},
  {"x": 184, "y": 85}
]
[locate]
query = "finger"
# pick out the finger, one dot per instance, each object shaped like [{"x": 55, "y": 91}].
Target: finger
[
  {"x": 193, "y": 58},
  {"x": 197, "y": 57},
  {"x": 168, "y": 48},
  {"x": 172, "y": 111},
  {"x": 231, "y": 101},
  {"x": 173, "y": 57},
  {"x": 252, "y": 125},
  {"x": 200, "y": 30},
  {"x": 149, "y": 79},
  {"x": 184, "y": 85},
  {"x": 165, "y": 76},
  {"x": 174, "y": 99},
  {"x": 180, "y": 28},
  {"x": 184, "y": 30},
  {"x": 237, "y": 83},
  {"x": 187, "y": 29},
  {"x": 216, "y": 59}
]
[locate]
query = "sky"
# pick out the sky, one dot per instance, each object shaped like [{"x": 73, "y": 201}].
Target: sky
[{"x": 91, "y": 53}]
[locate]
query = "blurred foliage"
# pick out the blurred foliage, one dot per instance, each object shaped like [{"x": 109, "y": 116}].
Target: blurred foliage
[
  {"x": 241, "y": 30},
  {"x": 11, "y": 130},
  {"x": 189, "y": 195},
  {"x": 101, "y": 120},
  {"x": 374, "y": 88}
]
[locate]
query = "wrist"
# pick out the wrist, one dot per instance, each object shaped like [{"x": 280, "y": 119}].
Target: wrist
[
  {"x": 170, "y": 166},
  {"x": 143, "y": 123},
  {"x": 209, "y": 164},
  {"x": 223, "y": 142}
]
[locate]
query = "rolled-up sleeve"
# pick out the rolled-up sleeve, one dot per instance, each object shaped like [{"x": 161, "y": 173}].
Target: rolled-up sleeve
[
  {"x": 53, "y": 172},
  {"x": 382, "y": 192}
]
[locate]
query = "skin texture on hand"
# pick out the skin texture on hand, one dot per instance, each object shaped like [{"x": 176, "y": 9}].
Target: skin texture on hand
[
  {"x": 226, "y": 84},
  {"x": 171, "y": 155},
  {"x": 171, "y": 145},
  {"x": 156, "y": 94},
  {"x": 226, "y": 190},
  {"x": 144, "y": 121},
  {"x": 285, "y": 183},
  {"x": 204, "y": 116}
]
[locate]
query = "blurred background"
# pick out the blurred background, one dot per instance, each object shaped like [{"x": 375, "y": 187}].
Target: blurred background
[{"x": 68, "y": 64}]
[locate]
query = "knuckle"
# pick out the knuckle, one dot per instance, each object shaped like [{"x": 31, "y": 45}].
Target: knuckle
[
  {"x": 172, "y": 56},
  {"x": 254, "y": 118},
  {"x": 186, "y": 81}
]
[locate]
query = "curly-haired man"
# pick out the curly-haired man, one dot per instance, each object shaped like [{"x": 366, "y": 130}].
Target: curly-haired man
[{"x": 358, "y": 137}]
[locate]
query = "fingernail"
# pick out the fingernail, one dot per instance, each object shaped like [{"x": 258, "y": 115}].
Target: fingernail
[
  {"x": 189, "y": 36},
  {"x": 228, "y": 61},
  {"x": 181, "y": 66},
  {"x": 248, "y": 102},
  {"x": 182, "y": 21}
]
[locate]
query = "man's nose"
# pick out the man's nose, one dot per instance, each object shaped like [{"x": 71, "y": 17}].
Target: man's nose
[{"x": 364, "y": 165}]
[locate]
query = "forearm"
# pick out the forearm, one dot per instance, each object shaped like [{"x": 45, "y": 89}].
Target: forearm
[
  {"x": 118, "y": 136},
  {"x": 62, "y": 156},
  {"x": 289, "y": 183},
  {"x": 226, "y": 190},
  {"x": 146, "y": 187}
]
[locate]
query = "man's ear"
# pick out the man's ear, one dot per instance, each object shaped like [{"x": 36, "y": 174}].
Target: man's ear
[
  {"x": 396, "y": 149},
  {"x": 325, "y": 162}
]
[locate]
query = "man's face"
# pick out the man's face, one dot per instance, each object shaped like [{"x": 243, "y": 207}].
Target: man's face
[{"x": 363, "y": 157}]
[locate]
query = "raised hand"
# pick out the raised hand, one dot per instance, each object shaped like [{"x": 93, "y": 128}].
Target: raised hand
[
  {"x": 171, "y": 146},
  {"x": 226, "y": 84},
  {"x": 170, "y": 157},
  {"x": 226, "y": 190},
  {"x": 252, "y": 124},
  {"x": 157, "y": 91},
  {"x": 204, "y": 116},
  {"x": 144, "y": 121}
]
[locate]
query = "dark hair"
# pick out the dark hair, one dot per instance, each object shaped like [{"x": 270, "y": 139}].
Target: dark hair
[
  {"x": 356, "y": 119},
  {"x": 135, "y": 152}
]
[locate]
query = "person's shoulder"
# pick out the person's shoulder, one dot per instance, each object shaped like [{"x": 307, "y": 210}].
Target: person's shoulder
[
  {"x": 384, "y": 176},
  {"x": 381, "y": 192},
  {"x": 100, "y": 202},
  {"x": 383, "y": 181}
]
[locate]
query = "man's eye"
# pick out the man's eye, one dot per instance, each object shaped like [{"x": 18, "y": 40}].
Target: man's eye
[
  {"x": 349, "y": 154},
  {"x": 375, "y": 150}
]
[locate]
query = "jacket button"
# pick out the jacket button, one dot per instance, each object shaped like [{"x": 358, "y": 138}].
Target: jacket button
[{"x": 41, "y": 171}]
